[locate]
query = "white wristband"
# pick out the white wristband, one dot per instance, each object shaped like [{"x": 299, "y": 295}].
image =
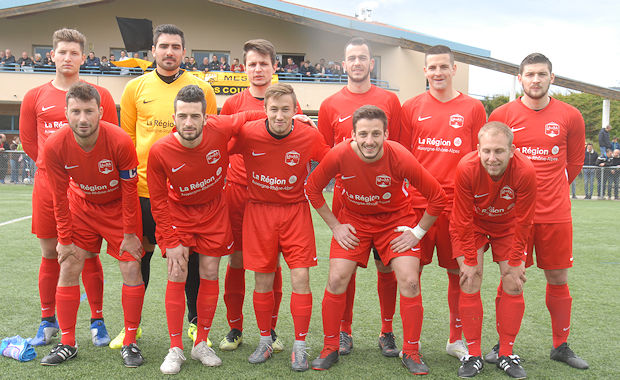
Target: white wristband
[{"x": 417, "y": 231}]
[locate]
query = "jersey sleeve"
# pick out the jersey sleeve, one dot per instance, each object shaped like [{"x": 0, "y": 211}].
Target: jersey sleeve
[
  {"x": 576, "y": 140},
  {"x": 480, "y": 119},
  {"x": 462, "y": 218},
  {"x": 227, "y": 108},
  {"x": 59, "y": 180},
  {"x": 524, "y": 210},
  {"x": 424, "y": 182},
  {"x": 128, "y": 171},
  {"x": 109, "y": 107},
  {"x": 406, "y": 126},
  {"x": 28, "y": 126},
  {"x": 232, "y": 123},
  {"x": 157, "y": 181},
  {"x": 320, "y": 177},
  {"x": 394, "y": 128},
  {"x": 129, "y": 112},
  {"x": 320, "y": 148},
  {"x": 324, "y": 124}
]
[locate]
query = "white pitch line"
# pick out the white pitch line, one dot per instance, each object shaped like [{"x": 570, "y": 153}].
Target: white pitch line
[{"x": 15, "y": 220}]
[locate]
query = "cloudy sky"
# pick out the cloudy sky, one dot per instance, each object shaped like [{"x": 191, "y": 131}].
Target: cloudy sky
[{"x": 581, "y": 38}]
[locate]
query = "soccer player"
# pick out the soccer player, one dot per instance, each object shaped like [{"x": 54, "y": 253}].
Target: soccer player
[
  {"x": 277, "y": 153},
  {"x": 185, "y": 172},
  {"x": 335, "y": 124},
  {"x": 42, "y": 113},
  {"x": 552, "y": 135},
  {"x": 91, "y": 168},
  {"x": 259, "y": 57},
  {"x": 376, "y": 211},
  {"x": 441, "y": 126},
  {"x": 146, "y": 114},
  {"x": 494, "y": 199}
]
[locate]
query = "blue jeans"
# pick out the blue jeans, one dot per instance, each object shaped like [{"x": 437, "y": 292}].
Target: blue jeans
[{"x": 588, "y": 182}]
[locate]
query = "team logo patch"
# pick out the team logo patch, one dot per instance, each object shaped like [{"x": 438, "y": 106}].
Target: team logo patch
[
  {"x": 113, "y": 183},
  {"x": 457, "y": 121},
  {"x": 387, "y": 196},
  {"x": 105, "y": 166},
  {"x": 552, "y": 129},
  {"x": 383, "y": 180},
  {"x": 506, "y": 193},
  {"x": 292, "y": 179},
  {"x": 555, "y": 149},
  {"x": 458, "y": 141},
  {"x": 213, "y": 156},
  {"x": 218, "y": 171},
  {"x": 292, "y": 158}
]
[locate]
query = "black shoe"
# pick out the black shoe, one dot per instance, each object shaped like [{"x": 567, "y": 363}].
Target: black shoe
[
  {"x": 493, "y": 355},
  {"x": 563, "y": 353},
  {"x": 388, "y": 345},
  {"x": 59, "y": 354},
  {"x": 470, "y": 366},
  {"x": 325, "y": 360},
  {"x": 511, "y": 365},
  {"x": 413, "y": 362},
  {"x": 346, "y": 343},
  {"x": 132, "y": 357}
]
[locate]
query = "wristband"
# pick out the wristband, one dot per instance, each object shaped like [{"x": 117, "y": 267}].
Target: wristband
[{"x": 419, "y": 232}]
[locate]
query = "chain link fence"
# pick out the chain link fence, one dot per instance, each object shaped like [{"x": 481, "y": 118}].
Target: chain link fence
[{"x": 16, "y": 167}]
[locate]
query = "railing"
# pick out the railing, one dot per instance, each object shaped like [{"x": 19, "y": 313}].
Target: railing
[
  {"x": 16, "y": 167},
  {"x": 597, "y": 182}
]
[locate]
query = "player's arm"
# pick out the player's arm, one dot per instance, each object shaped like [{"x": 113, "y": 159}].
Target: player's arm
[
  {"x": 28, "y": 126},
  {"x": 406, "y": 125},
  {"x": 426, "y": 184},
  {"x": 394, "y": 124},
  {"x": 232, "y": 123},
  {"x": 325, "y": 126},
  {"x": 525, "y": 207},
  {"x": 480, "y": 118},
  {"x": 109, "y": 106},
  {"x": 129, "y": 111},
  {"x": 319, "y": 147},
  {"x": 575, "y": 142},
  {"x": 462, "y": 218},
  {"x": 128, "y": 173}
]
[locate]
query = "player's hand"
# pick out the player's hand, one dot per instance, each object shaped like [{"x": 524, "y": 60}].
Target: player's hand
[
  {"x": 515, "y": 276},
  {"x": 305, "y": 119},
  {"x": 65, "y": 252},
  {"x": 132, "y": 245},
  {"x": 467, "y": 275},
  {"x": 404, "y": 242},
  {"x": 344, "y": 234},
  {"x": 177, "y": 258}
]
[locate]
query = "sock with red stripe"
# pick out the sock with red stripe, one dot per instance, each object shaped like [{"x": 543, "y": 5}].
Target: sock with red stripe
[
  {"x": 412, "y": 315},
  {"x": 263, "y": 307},
  {"x": 332, "y": 309},
  {"x": 277, "y": 297},
  {"x": 559, "y": 304},
  {"x": 511, "y": 308},
  {"x": 234, "y": 294},
  {"x": 49, "y": 271},
  {"x": 301, "y": 310},
  {"x": 454, "y": 292},
  {"x": 347, "y": 314},
  {"x": 386, "y": 288},
  {"x": 68, "y": 301},
  {"x": 175, "y": 310},
  {"x": 132, "y": 300},
  {"x": 471, "y": 312},
  {"x": 92, "y": 277}
]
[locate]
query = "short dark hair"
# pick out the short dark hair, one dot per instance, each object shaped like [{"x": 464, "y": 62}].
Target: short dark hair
[
  {"x": 439, "y": 49},
  {"x": 191, "y": 94},
  {"x": 168, "y": 29},
  {"x": 68, "y": 35},
  {"x": 357, "y": 41},
  {"x": 280, "y": 89},
  {"x": 496, "y": 128},
  {"x": 84, "y": 92},
  {"x": 369, "y": 112},
  {"x": 260, "y": 46},
  {"x": 532, "y": 59}
]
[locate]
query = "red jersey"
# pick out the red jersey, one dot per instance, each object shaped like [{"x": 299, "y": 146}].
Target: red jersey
[
  {"x": 104, "y": 174},
  {"x": 553, "y": 139},
  {"x": 243, "y": 101},
  {"x": 190, "y": 176},
  {"x": 497, "y": 208},
  {"x": 440, "y": 135},
  {"x": 277, "y": 168},
  {"x": 42, "y": 113},
  {"x": 377, "y": 187},
  {"x": 336, "y": 113}
]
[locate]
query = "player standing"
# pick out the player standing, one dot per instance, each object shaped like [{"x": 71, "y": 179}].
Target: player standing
[
  {"x": 494, "y": 200},
  {"x": 374, "y": 174},
  {"x": 91, "y": 168},
  {"x": 335, "y": 115},
  {"x": 277, "y": 153},
  {"x": 259, "y": 57},
  {"x": 551, "y": 134},
  {"x": 442, "y": 126},
  {"x": 42, "y": 113},
  {"x": 146, "y": 114}
]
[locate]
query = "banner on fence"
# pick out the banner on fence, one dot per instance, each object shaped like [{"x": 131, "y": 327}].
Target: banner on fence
[{"x": 225, "y": 83}]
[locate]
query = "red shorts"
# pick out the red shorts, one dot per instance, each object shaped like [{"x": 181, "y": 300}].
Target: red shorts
[
  {"x": 93, "y": 222},
  {"x": 236, "y": 196},
  {"x": 374, "y": 230},
  {"x": 269, "y": 229},
  {"x": 438, "y": 236},
  {"x": 501, "y": 246},
  {"x": 553, "y": 243},
  {"x": 43, "y": 219},
  {"x": 203, "y": 228}
]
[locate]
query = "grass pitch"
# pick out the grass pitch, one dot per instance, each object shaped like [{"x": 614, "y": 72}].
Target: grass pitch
[{"x": 594, "y": 283}]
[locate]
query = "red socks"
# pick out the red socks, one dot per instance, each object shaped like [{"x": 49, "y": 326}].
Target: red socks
[
  {"x": 454, "y": 292},
  {"x": 412, "y": 315},
  {"x": 49, "y": 271},
  {"x": 68, "y": 300},
  {"x": 234, "y": 293},
  {"x": 132, "y": 300},
  {"x": 277, "y": 297},
  {"x": 332, "y": 310},
  {"x": 510, "y": 314},
  {"x": 263, "y": 307},
  {"x": 386, "y": 288},
  {"x": 175, "y": 310},
  {"x": 92, "y": 277},
  {"x": 207, "y": 302},
  {"x": 347, "y": 314},
  {"x": 470, "y": 310},
  {"x": 301, "y": 310},
  {"x": 559, "y": 304}
]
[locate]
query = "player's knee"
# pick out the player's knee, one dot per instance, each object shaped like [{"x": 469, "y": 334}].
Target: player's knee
[
  {"x": 338, "y": 282},
  {"x": 70, "y": 270},
  {"x": 131, "y": 272},
  {"x": 409, "y": 286}
]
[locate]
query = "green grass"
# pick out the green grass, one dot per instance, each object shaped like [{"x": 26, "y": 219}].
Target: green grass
[{"x": 594, "y": 285}]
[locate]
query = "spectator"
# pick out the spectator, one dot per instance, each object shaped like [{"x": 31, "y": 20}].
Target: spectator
[
  {"x": 191, "y": 65},
  {"x": 224, "y": 66},
  {"x": 1, "y": 55},
  {"x": 4, "y": 145},
  {"x": 204, "y": 66},
  {"x": 9, "y": 59},
  {"x": 47, "y": 61},
  {"x": 336, "y": 70},
  {"x": 37, "y": 61},
  {"x": 124, "y": 57},
  {"x": 588, "y": 172},
  {"x": 105, "y": 64},
  {"x": 136, "y": 55},
  {"x": 319, "y": 69},
  {"x": 279, "y": 68},
  {"x": 16, "y": 160},
  {"x": 614, "y": 173},
  {"x": 237, "y": 67},
  {"x": 307, "y": 69},
  {"x": 614, "y": 143},
  {"x": 214, "y": 65},
  {"x": 25, "y": 60},
  {"x": 602, "y": 179},
  {"x": 291, "y": 66},
  {"x": 603, "y": 140},
  {"x": 112, "y": 59},
  {"x": 92, "y": 60},
  {"x": 184, "y": 63}
]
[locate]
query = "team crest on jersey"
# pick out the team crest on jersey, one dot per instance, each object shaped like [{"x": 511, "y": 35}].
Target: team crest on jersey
[
  {"x": 105, "y": 166},
  {"x": 291, "y": 158},
  {"x": 213, "y": 156},
  {"x": 457, "y": 121},
  {"x": 383, "y": 180},
  {"x": 552, "y": 129},
  {"x": 507, "y": 193}
]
